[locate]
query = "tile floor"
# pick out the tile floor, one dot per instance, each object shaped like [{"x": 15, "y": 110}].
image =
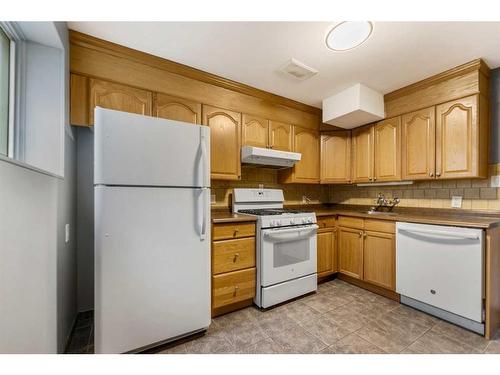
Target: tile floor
[{"x": 340, "y": 318}]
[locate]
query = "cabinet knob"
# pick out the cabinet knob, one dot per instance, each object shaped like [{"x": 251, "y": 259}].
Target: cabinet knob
[
  {"x": 236, "y": 287},
  {"x": 364, "y": 235},
  {"x": 360, "y": 234},
  {"x": 236, "y": 231},
  {"x": 236, "y": 256},
  {"x": 431, "y": 174},
  {"x": 374, "y": 178},
  {"x": 438, "y": 174}
]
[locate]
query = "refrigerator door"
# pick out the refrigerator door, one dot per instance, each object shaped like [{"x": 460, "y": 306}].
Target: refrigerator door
[
  {"x": 137, "y": 150},
  {"x": 152, "y": 265}
]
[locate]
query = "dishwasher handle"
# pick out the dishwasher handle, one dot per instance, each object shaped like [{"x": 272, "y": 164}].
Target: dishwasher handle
[{"x": 463, "y": 236}]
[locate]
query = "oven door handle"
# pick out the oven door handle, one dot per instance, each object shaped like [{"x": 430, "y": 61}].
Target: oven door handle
[{"x": 291, "y": 234}]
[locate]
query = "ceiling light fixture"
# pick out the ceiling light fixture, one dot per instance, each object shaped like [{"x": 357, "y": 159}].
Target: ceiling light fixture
[{"x": 348, "y": 35}]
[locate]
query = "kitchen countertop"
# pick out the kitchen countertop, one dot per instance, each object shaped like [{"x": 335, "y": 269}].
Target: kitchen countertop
[
  {"x": 224, "y": 216},
  {"x": 437, "y": 216}
]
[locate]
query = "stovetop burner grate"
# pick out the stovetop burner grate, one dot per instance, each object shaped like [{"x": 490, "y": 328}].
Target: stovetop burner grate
[{"x": 270, "y": 211}]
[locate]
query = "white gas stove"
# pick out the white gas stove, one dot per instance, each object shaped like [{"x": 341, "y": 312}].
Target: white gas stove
[{"x": 286, "y": 245}]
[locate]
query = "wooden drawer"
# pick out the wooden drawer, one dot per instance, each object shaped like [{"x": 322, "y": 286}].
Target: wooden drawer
[
  {"x": 326, "y": 222},
  {"x": 232, "y": 287},
  {"x": 233, "y": 230},
  {"x": 380, "y": 226},
  {"x": 232, "y": 255},
  {"x": 351, "y": 222}
]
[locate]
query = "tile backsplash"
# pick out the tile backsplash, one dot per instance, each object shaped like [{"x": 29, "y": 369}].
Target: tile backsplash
[
  {"x": 252, "y": 177},
  {"x": 477, "y": 194}
]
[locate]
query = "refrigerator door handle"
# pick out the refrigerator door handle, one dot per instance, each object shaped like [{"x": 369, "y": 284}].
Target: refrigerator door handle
[
  {"x": 204, "y": 159},
  {"x": 203, "y": 231}
]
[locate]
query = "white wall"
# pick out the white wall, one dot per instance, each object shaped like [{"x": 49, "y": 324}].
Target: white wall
[
  {"x": 37, "y": 266},
  {"x": 28, "y": 246}
]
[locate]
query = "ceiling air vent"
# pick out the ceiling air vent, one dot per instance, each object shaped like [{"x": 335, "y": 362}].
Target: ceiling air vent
[{"x": 297, "y": 70}]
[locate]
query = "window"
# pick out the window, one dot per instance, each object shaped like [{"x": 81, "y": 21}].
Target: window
[{"x": 5, "y": 69}]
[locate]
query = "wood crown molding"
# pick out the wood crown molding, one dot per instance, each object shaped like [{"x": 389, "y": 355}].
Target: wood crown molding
[
  {"x": 471, "y": 66},
  {"x": 87, "y": 41}
]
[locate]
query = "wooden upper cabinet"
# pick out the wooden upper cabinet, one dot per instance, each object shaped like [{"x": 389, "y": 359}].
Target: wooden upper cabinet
[
  {"x": 457, "y": 138},
  {"x": 362, "y": 154},
  {"x": 418, "y": 144},
  {"x": 225, "y": 141},
  {"x": 306, "y": 142},
  {"x": 119, "y": 97},
  {"x": 379, "y": 259},
  {"x": 255, "y": 131},
  {"x": 280, "y": 136},
  {"x": 350, "y": 243},
  {"x": 387, "y": 136},
  {"x": 178, "y": 109},
  {"x": 336, "y": 157}
]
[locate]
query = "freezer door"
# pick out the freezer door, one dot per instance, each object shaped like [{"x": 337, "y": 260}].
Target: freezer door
[
  {"x": 152, "y": 265},
  {"x": 137, "y": 150}
]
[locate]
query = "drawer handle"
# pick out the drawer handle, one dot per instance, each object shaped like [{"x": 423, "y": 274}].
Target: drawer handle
[
  {"x": 236, "y": 231},
  {"x": 236, "y": 256},
  {"x": 236, "y": 287}
]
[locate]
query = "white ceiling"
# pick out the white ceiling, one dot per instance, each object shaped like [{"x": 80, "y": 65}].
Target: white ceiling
[{"x": 397, "y": 54}]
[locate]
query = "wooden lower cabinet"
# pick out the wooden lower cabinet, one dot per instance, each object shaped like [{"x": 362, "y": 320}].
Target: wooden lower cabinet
[
  {"x": 379, "y": 257},
  {"x": 367, "y": 251},
  {"x": 327, "y": 247},
  {"x": 233, "y": 266},
  {"x": 351, "y": 252},
  {"x": 232, "y": 287}
]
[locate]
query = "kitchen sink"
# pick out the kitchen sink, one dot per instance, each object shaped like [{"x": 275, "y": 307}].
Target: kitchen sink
[{"x": 381, "y": 213}]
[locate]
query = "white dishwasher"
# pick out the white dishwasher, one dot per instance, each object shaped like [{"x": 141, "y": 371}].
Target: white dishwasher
[{"x": 440, "y": 270}]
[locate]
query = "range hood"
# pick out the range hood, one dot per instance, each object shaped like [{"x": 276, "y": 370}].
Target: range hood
[{"x": 269, "y": 157}]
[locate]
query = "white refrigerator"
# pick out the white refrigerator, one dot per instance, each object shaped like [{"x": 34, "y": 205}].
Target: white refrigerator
[{"x": 152, "y": 230}]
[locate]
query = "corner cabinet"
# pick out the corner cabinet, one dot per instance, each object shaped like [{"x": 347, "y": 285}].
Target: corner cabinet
[
  {"x": 178, "y": 109},
  {"x": 119, "y": 97},
  {"x": 336, "y": 157},
  {"x": 225, "y": 141},
  {"x": 306, "y": 142}
]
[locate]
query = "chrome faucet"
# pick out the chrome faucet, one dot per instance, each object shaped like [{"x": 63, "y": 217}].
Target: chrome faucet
[{"x": 383, "y": 202}]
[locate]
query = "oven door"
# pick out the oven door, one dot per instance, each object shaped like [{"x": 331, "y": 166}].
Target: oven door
[{"x": 287, "y": 253}]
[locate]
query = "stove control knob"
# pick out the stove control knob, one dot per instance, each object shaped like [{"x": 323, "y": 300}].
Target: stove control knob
[
  {"x": 292, "y": 222},
  {"x": 304, "y": 220},
  {"x": 277, "y": 223},
  {"x": 309, "y": 220}
]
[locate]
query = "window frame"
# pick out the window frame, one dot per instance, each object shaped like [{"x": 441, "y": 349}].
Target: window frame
[{"x": 11, "y": 108}]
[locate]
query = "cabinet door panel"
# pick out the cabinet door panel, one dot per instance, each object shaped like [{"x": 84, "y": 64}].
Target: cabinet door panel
[
  {"x": 362, "y": 154},
  {"x": 457, "y": 135},
  {"x": 387, "y": 135},
  {"x": 255, "y": 131},
  {"x": 281, "y": 137},
  {"x": 307, "y": 143},
  {"x": 178, "y": 109},
  {"x": 225, "y": 131},
  {"x": 119, "y": 97},
  {"x": 327, "y": 252},
  {"x": 336, "y": 157},
  {"x": 379, "y": 259},
  {"x": 418, "y": 144},
  {"x": 350, "y": 242}
]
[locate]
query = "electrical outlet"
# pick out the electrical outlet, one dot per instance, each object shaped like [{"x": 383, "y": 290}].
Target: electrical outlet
[
  {"x": 213, "y": 199},
  {"x": 495, "y": 181},
  {"x": 66, "y": 233},
  {"x": 456, "y": 201}
]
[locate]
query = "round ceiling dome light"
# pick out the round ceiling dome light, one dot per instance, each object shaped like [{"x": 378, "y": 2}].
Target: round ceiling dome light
[{"x": 348, "y": 35}]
